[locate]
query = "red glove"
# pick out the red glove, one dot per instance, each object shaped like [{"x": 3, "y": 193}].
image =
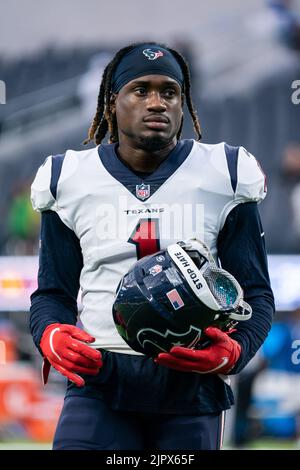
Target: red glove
[
  {"x": 63, "y": 348},
  {"x": 218, "y": 358}
]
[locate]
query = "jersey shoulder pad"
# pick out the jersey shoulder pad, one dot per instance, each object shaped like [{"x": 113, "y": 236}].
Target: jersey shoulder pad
[
  {"x": 43, "y": 187},
  {"x": 252, "y": 185},
  {"x": 248, "y": 180},
  {"x": 214, "y": 168},
  {"x": 55, "y": 177}
]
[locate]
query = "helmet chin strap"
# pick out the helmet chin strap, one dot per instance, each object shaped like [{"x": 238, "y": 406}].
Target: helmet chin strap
[{"x": 246, "y": 312}]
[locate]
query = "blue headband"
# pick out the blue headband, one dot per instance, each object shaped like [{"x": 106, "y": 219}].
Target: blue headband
[{"x": 146, "y": 59}]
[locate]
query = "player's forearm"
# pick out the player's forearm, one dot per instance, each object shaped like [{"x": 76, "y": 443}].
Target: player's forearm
[
  {"x": 242, "y": 252},
  {"x": 48, "y": 309},
  {"x": 252, "y": 335},
  {"x": 60, "y": 264}
]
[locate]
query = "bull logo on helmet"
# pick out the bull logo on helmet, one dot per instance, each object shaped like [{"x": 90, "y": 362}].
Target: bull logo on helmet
[{"x": 152, "y": 55}]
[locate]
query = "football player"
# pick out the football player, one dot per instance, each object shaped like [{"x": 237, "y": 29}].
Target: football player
[{"x": 108, "y": 206}]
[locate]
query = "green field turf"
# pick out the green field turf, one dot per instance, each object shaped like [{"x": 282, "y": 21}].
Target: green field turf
[
  {"x": 262, "y": 444},
  {"x": 24, "y": 446}
]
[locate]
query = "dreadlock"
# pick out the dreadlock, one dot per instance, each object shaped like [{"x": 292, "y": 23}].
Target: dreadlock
[{"x": 104, "y": 120}]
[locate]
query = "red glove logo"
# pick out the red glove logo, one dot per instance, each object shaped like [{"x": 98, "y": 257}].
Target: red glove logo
[
  {"x": 63, "y": 347},
  {"x": 218, "y": 358}
]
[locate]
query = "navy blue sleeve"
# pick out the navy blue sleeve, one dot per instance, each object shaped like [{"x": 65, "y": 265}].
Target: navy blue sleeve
[
  {"x": 60, "y": 264},
  {"x": 242, "y": 252}
]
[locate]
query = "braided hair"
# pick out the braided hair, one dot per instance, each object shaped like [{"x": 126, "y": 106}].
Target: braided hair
[{"x": 105, "y": 121}]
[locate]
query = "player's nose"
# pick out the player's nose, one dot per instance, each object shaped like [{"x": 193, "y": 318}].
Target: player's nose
[{"x": 155, "y": 102}]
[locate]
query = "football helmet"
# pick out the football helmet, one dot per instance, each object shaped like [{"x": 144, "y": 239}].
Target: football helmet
[{"x": 170, "y": 297}]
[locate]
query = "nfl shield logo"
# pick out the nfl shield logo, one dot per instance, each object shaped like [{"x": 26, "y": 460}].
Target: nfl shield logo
[
  {"x": 175, "y": 299},
  {"x": 142, "y": 191}
]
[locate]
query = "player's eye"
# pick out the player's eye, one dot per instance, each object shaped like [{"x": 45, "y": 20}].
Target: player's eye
[
  {"x": 140, "y": 90},
  {"x": 169, "y": 92}
]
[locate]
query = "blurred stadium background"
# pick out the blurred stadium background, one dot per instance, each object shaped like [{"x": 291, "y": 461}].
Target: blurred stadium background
[{"x": 245, "y": 58}]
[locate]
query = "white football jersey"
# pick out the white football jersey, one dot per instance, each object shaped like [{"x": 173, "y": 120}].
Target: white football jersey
[{"x": 119, "y": 216}]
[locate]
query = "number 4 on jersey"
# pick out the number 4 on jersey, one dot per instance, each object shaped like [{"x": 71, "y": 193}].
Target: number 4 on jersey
[{"x": 145, "y": 237}]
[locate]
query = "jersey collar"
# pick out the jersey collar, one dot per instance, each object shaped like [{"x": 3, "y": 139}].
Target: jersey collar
[{"x": 151, "y": 182}]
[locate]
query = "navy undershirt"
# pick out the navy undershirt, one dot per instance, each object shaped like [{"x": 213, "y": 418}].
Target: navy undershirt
[{"x": 140, "y": 174}]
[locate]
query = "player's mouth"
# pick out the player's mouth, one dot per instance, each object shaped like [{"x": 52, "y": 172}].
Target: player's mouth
[{"x": 156, "y": 122}]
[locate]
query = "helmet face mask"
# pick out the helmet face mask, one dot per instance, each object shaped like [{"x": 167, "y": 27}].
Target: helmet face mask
[{"x": 169, "y": 298}]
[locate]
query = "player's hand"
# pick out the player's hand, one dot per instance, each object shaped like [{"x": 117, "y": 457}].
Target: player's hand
[
  {"x": 218, "y": 358},
  {"x": 63, "y": 347}
]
